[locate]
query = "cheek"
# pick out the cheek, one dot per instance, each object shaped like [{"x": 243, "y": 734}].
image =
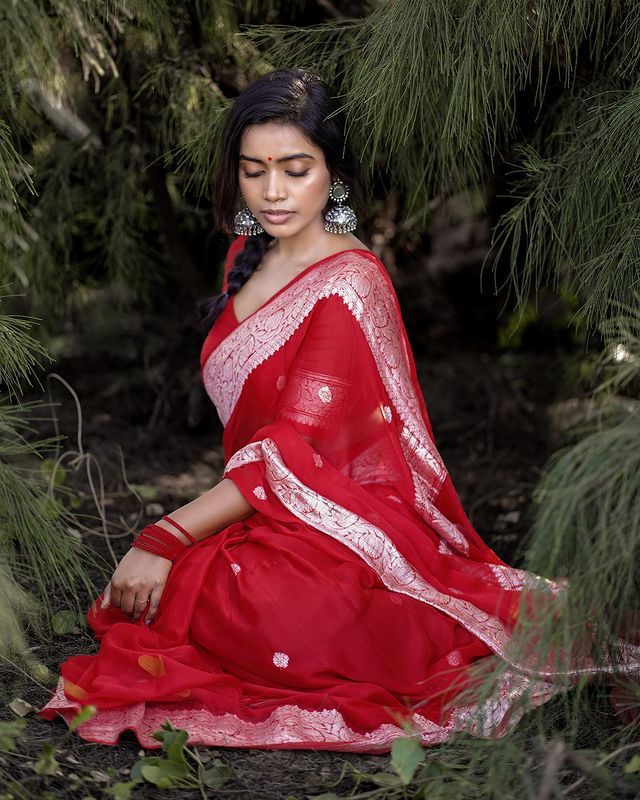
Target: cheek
[{"x": 317, "y": 191}]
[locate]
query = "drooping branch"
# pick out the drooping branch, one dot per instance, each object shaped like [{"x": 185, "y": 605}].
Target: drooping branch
[{"x": 63, "y": 119}]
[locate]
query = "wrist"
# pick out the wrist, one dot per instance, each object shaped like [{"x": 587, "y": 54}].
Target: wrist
[
  {"x": 163, "y": 541},
  {"x": 141, "y": 548}
]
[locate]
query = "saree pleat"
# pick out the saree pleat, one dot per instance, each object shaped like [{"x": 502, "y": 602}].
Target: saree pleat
[{"x": 358, "y": 597}]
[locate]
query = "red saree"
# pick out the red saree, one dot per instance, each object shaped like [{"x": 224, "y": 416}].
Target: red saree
[{"x": 358, "y": 594}]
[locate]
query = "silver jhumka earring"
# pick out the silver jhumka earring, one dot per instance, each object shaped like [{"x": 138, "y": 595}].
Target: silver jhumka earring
[
  {"x": 245, "y": 223},
  {"x": 339, "y": 218}
]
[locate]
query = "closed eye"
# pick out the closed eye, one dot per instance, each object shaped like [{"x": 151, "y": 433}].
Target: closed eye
[{"x": 291, "y": 174}]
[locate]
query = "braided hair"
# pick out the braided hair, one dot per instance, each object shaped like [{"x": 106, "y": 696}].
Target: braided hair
[
  {"x": 288, "y": 96},
  {"x": 245, "y": 263}
]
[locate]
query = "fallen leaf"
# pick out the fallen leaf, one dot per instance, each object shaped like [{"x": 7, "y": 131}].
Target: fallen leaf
[
  {"x": 21, "y": 707},
  {"x": 64, "y": 621},
  {"x": 152, "y": 664},
  {"x": 100, "y": 777},
  {"x": 73, "y": 689},
  {"x": 632, "y": 766}
]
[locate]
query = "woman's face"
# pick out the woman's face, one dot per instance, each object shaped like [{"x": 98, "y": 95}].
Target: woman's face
[{"x": 279, "y": 169}]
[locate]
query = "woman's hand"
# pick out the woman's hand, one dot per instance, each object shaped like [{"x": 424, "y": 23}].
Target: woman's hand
[{"x": 139, "y": 576}]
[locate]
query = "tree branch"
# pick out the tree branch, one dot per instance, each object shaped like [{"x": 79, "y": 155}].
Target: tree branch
[{"x": 68, "y": 123}]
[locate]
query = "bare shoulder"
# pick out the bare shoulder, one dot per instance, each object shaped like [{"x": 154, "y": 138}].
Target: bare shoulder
[
  {"x": 338, "y": 243},
  {"x": 355, "y": 243}
]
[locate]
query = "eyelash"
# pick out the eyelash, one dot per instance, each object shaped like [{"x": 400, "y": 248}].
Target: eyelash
[{"x": 291, "y": 174}]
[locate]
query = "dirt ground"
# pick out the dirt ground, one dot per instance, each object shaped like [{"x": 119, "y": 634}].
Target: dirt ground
[{"x": 489, "y": 414}]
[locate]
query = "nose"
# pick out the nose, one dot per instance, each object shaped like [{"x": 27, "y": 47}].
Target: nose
[{"x": 274, "y": 190}]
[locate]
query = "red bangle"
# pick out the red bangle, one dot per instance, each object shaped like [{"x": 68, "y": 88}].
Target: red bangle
[
  {"x": 160, "y": 541},
  {"x": 181, "y": 529}
]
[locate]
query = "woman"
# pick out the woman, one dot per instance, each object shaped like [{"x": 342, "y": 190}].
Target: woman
[{"x": 329, "y": 589}]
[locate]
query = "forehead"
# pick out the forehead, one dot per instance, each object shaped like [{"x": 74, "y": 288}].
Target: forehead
[{"x": 275, "y": 140}]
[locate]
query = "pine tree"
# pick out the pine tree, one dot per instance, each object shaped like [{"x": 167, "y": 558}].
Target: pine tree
[{"x": 39, "y": 560}]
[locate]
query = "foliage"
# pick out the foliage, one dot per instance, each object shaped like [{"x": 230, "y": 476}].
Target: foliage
[
  {"x": 587, "y": 531},
  {"x": 577, "y": 202},
  {"x": 173, "y": 768},
  {"x": 449, "y": 109},
  {"x": 36, "y": 551},
  {"x": 120, "y": 171},
  {"x": 588, "y": 524},
  {"x": 179, "y": 767},
  {"x": 20, "y": 355},
  {"x": 112, "y": 109},
  {"x": 588, "y": 521},
  {"x": 454, "y": 773}
]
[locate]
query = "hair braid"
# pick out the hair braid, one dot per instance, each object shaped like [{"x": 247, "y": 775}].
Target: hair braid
[
  {"x": 247, "y": 260},
  {"x": 242, "y": 269}
]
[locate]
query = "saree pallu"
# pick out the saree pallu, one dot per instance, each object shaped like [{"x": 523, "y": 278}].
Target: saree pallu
[{"x": 358, "y": 597}]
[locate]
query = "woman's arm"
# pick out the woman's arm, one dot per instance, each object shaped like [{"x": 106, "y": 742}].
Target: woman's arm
[
  {"x": 209, "y": 513},
  {"x": 140, "y": 576}
]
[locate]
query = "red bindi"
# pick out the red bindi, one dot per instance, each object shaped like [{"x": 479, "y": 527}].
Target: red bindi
[{"x": 268, "y": 158}]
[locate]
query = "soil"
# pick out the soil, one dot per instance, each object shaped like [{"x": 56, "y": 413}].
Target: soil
[{"x": 488, "y": 410}]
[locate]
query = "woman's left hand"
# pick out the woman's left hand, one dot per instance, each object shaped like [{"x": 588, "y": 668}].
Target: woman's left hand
[{"x": 139, "y": 578}]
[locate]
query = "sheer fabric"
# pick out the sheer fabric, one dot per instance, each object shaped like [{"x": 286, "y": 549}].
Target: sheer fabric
[{"x": 358, "y": 595}]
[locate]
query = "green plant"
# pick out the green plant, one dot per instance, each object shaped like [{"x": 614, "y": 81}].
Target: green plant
[{"x": 178, "y": 767}]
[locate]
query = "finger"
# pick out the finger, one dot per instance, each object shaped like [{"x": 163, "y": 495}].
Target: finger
[
  {"x": 139, "y": 605},
  {"x": 156, "y": 594},
  {"x": 106, "y": 597},
  {"x": 116, "y": 597},
  {"x": 127, "y": 601}
]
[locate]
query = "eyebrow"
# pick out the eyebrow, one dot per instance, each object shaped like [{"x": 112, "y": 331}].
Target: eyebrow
[{"x": 278, "y": 160}]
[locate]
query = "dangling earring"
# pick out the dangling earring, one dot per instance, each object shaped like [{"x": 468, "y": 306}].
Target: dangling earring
[
  {"x": 339, "y": 218},
  {"x": 245, "y": 223}
]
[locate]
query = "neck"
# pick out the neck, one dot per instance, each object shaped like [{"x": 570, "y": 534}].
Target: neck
[{"x": 305, "y": 246}]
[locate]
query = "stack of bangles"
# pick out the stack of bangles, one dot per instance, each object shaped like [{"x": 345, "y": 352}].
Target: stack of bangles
[{"x": 162, "y": 542}]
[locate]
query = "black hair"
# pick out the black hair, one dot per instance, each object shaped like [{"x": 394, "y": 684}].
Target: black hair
[{"x": 290, "y": 97}]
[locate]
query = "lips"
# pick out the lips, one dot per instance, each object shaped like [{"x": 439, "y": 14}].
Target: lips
[{"x": 277, "y": 216}]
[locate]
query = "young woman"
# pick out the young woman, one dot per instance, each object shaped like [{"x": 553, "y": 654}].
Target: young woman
[{"x": 330, "y": 588}]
